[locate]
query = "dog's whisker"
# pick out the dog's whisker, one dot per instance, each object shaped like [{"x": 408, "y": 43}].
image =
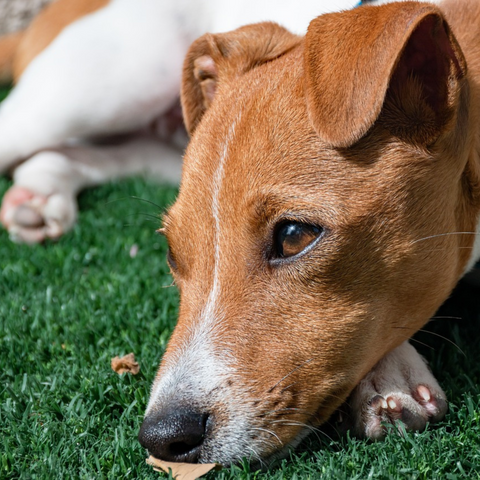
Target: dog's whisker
[
  {"x": 270, "y": 445},
  {"x": 443, "y": 235},
  {"x": 441, "y": 317},
  {"x": 290, "y": 411},
  {"x": 301, "y": 424},
  {"x": 290, "y": 373},
  {"x": 145, "y": 219},
  {"x": 286, "y": 414},
  {"x": 313, "y": 429},
  {"x": 287, "y": 387},
  {"x": 444, "y": 338},
  {"x": 254, "y": 454},
  {"x": 273, "y": 434},
  {"x": 331, "y": 395},
  {"x": 134, "y": 224},
  {"x": 415, "y": 340},
  {"x": 421, "y": 343},
  {"x": 130, "y": 197},
  {"x": 436, "y": 335},
  {"x": 140, "y": 199},
  {"x": 442, "y": 249},
  {"x": 143, "y": 214},
  {"x": 117, "y": 200},
  {"x": 257, "y": 456}
]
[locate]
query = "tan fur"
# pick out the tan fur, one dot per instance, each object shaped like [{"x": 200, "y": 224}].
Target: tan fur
[
  {"x": 363, "y": 87},
  {"x": 338, "y": 137},
  {"x": 230, "y": 55},
  {"x": 8, "y": 47},
  {"x": 18, "y": 50}
]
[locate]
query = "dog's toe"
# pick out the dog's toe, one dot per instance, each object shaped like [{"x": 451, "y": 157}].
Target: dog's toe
[
  {"x": 389, "y": 409},
  {"x": 31, "y": 218},
  {"x": 434, "y": 402},
  {"x": 13, "y": 198},
  {"x": 28, "y": 217},
  {"x": 399, "y": 390},
  {"x": 26, "y": 235},
  {"x": 403, "y": 407}
]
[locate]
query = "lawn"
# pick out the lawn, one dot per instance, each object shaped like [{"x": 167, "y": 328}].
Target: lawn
[{"x": 67, "y": 308}]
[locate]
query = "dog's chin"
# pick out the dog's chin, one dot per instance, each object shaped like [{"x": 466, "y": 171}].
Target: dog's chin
[
  {"x": 274, "y": 458},
  {"x": 257, "y": 460}
]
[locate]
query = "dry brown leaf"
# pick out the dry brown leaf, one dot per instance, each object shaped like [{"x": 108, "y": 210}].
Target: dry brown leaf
[
  {"x": 182, "y": 471},
  {"x": 126, "y": 364}
]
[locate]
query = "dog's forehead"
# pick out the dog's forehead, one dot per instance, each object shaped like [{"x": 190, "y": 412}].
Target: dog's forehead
[{"x": 258, "y": 136}]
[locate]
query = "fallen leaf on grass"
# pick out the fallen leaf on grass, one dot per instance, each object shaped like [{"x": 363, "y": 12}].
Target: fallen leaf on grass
[
  {"x": 182, "y": 471},
  {"x": 126, "y": 364}
]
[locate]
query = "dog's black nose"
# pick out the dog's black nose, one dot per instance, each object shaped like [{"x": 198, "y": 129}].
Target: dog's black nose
[{"x": 174, "y": 436}]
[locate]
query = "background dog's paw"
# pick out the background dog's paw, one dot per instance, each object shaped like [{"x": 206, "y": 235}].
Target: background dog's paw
[
  {"x": 31, "y": 218},
  {"x": 400, "y": 388}
]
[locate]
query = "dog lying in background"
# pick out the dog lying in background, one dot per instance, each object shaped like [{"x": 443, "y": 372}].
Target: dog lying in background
[
  {"x": 87, "y": 70},
  {"x": 329, "y": 201}
]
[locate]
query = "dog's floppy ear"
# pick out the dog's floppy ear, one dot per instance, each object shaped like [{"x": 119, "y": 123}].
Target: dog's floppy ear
[
  {"x": 356, "y": 59},
  {"x": 213, "y": 58}
]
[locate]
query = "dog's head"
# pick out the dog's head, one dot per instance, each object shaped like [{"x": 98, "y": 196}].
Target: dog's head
[{"x": 306, "y": 240}]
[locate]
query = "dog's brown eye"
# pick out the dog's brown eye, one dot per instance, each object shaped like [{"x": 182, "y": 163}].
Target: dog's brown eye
[{"x": 292, "y": 238}]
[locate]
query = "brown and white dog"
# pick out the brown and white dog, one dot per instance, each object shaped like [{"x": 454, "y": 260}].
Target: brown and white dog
[{"x": 329, "y": 201}]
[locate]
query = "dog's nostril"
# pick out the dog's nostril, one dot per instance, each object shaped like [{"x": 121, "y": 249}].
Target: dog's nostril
[
  {"x": 174, "y": 435},
  {"x": 179, "y": 449}
]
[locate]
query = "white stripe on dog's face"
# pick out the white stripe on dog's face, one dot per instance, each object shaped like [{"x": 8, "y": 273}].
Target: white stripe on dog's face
[
  {"x": 202, "y": 371},
  {"x": 197, "y": 366}
]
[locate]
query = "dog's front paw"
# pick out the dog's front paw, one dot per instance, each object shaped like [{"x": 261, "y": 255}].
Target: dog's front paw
[
  {"x": 31, "y": 218},
  {"x": 399, "y": 388}
]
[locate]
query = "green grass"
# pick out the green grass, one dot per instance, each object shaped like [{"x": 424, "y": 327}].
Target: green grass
[
  {"x": 67, "y": 308},
  {"x": 3, "y": 92}
]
